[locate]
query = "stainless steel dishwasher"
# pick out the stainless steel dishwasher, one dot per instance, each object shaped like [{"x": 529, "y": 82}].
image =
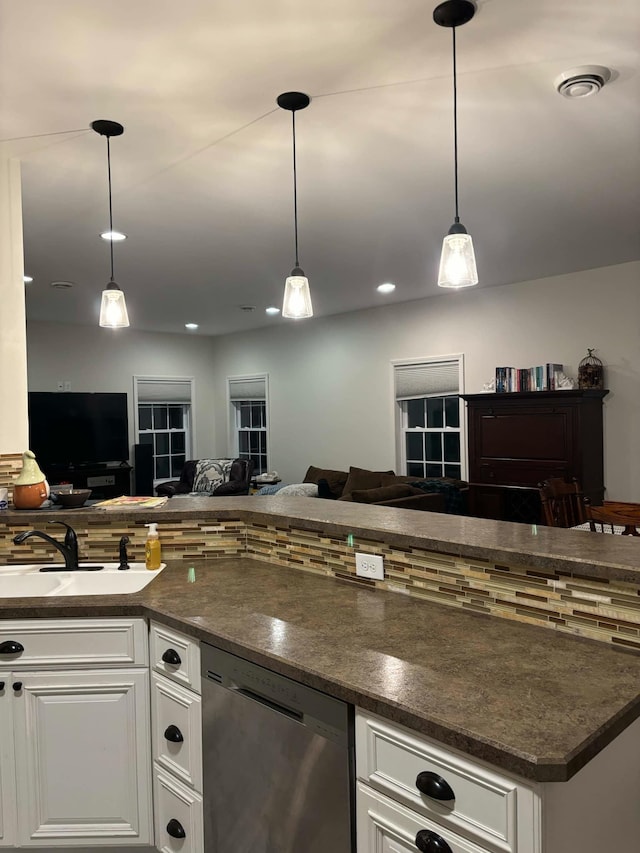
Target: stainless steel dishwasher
[{"x": 278, "y": 762}]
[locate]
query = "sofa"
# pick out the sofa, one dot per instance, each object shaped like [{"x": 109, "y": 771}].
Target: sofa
[
  {"x": 214, "y": 477},
  {"x": 385, "y": 488}
]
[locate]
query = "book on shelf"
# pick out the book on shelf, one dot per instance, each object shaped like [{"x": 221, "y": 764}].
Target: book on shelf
[
  {"x": 131, "y": 502},
  {"x": 542, "y": 377}
]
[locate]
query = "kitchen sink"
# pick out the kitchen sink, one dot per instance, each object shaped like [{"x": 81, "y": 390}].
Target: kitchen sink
[{"x": 28, "y": 581}]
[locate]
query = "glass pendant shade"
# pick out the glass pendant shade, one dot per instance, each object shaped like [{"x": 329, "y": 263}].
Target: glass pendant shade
[
  {"x": 297, "y": 296},
  {"x": 457, "y": 261},
  {"x": 113, "y": 308}
]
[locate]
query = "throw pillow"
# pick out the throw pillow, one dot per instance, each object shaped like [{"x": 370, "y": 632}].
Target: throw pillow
[
  {"x": 360, "y": 479},
  {"x": 383, "y": 493},
  {"x": 324, "y": 491},
  {"x": 270, "y": 490},
  {"x": 209, "y": 474},
  {"x": 302, "y": 490},
  {"x": 335, "y": 479}
]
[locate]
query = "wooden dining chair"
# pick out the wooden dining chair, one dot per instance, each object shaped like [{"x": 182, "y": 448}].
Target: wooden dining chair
[
  {"x": 611, "y": 515},
  {"x": 563, "y": 504}
]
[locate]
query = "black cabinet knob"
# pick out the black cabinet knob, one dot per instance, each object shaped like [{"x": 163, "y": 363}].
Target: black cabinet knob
[
  {"x": 171, "y": 656},
  {"x": 17, "y": 686},
  {"x": 172, "y": 733},
  {"x": 1, "y": 686},
  {"x": 175, "y": 829},
  {"x": 434, "y": 786},
  {"x": 11, "y": 647},
  {"x": 431, "y": 842}
]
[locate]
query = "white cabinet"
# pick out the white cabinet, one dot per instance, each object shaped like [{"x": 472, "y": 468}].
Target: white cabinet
[
  {"x": 176, "y": 724},
  {"x": 77, "y": 771},
  {"x": 463, "y": 805}
]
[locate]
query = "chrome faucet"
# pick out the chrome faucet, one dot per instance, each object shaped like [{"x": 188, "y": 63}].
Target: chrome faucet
[{"x": 68, "y": 548}]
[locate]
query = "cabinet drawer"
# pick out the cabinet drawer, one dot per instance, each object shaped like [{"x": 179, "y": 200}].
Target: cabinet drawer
[
  {"x": 178, "y": 816},
  {"x": 177, "y": 730},
  {"x": 386, "y": 827},
  {"x": 486, "y": 806},
  {"x": 176, "y": 656},
  {"x": 75, "y": 642}
]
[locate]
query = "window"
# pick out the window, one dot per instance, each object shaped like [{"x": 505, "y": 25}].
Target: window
[
  {"x": 430, "y": 417},
  {"x": 164, "y": 421},
  {"x": 249, "y": 424}
]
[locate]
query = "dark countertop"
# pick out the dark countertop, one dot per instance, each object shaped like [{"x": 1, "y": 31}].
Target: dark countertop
[
  {"x": 525, "y": 545},
  {"x": 523, "y": 698}
]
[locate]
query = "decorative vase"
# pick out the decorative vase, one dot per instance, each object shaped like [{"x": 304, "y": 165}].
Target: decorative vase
[
  {"x": 30, "y": 489},
  {"x": 590, "y": 372}
]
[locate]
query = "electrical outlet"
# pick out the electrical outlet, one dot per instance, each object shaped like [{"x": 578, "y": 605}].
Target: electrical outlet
[
  {"x": 370, "y": 566},
  {"x": 60, "y": 385},
  {"x": 67, "y": 385}
]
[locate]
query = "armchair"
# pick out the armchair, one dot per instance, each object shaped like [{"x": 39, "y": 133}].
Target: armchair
[{"x": 234, "y": 478}]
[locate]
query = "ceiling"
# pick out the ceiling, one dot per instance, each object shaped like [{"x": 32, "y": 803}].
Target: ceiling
[{"x": 202, "y": 176}]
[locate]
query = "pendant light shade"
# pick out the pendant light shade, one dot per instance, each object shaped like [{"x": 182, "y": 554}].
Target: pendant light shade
[
  {"x": 113, "y": 308},
  {"x": 297, "y": 296},
  {"x": 457, "y": 260}
]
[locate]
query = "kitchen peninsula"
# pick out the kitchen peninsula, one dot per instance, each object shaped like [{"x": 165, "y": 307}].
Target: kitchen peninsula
[{"x": 478, "y": 653}]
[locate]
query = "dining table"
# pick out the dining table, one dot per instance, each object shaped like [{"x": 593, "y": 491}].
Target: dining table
[{"x": 616, "y": 514}]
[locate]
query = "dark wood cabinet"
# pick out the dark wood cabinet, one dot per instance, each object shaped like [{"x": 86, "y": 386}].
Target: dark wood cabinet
[{"x": 518, "y": 440}]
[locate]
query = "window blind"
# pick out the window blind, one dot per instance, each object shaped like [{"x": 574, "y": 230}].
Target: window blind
[
  {"x": 164, "y": 390},
  {"x": 425, "y": 379},
  {"x": 248, "y": 389}
]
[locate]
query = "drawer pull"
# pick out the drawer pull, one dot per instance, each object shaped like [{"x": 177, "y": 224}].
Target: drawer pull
[
  {"x": 17, "y": 686},
  {"x": 431, "y": 842},
  {"x": 171, "y": 656},
  {"x": 1, "y": 686},
  {"x": 434, "y": 786},
  {"x": 11, "y": 647},
  {"x": 176, "y": 830},
  {"x": 173, "y": 734}
]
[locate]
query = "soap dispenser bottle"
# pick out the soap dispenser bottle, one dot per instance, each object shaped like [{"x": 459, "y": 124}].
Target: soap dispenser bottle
[{"x": 152, "y": 548}]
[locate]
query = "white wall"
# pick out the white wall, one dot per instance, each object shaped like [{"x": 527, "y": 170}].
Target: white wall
[
  {"x": 95, "y": 359},
  {"x": 330, "y": 385},
  {"x": 330, "y": 379}
]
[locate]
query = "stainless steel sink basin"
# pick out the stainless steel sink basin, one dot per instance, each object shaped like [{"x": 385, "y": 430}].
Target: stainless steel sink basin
[{"x": 26, "y": 581}]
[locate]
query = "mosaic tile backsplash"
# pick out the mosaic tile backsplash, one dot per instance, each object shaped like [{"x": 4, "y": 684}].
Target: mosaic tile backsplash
[{"x": 608, "y": 611}]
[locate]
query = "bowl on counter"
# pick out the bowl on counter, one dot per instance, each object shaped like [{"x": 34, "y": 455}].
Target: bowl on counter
[{"x": 72, "y": 498}]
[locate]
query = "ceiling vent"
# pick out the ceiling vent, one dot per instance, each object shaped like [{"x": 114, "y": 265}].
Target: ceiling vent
[
  {"x": 62, "y": 285},
  {"x": 582, "y": 81}
]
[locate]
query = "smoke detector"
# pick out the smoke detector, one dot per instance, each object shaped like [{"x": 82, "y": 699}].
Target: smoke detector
[{"x": 582, "y": 81}]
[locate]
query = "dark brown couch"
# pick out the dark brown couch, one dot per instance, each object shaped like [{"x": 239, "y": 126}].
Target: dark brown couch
[{"x": 385, "y": 488}]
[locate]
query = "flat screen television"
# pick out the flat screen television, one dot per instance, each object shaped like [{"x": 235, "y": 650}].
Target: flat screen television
[{"x": 71, "y": 428}]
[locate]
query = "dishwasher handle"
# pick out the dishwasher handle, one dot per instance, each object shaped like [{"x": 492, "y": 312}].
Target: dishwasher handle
[{"x": 268, "y": 703}]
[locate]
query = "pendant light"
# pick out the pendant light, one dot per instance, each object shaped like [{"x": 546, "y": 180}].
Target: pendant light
[
  {"x": 457, "y": 261},
  {"x": 297, "y": 298},
  {"x": 113, "y": 308}
]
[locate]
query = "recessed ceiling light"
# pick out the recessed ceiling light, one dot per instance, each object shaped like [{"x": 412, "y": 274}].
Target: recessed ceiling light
[
  {"x": 27, "y": 279},
  {"x": 272, "y": 310},
  {"x": 582, "y": 81},
  {"x": 62, "y": 285},
  {"x": 387, "y": 287},
  {"x": 114, "y": 236},
  {"x": 191, "y": 326}
]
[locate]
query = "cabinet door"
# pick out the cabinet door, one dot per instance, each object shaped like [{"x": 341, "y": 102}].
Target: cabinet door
[
  {"x": 83, "y": 762},
  {"x": 7, "y": 776}
]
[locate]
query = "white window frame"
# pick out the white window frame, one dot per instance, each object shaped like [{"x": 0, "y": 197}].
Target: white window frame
[
  {"x": 189, "y": 428},
  {"x": 400, "y": 448},
  {"x": 233, "y": 432}
]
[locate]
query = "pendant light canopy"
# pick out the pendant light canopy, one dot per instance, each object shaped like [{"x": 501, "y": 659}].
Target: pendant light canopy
[
  {"x": 457, "y": 261},
  {"x": 113, "y": 308},
  {"x": 297, "y": 297}
]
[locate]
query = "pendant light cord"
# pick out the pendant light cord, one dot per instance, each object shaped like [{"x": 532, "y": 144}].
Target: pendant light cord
[
  {"x": 110, "y": 205},
  {"x": 455, "y": 122},
  {"x": 295, "y": 187}
]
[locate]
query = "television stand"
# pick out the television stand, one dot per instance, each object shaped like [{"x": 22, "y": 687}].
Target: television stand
[{"x": 105, "y": 481}]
